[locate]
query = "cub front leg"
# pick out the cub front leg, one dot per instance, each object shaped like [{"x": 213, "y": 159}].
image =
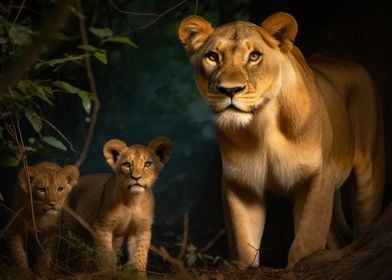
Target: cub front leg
[
  {"x": 244, "y": 212},
  {"x": 106, "y": 256},
  {"x": 48, "y": 249},
  {"x": 312, "y": 217},
  {"x": 17, "y": 253},
  {"x": 138, "y": 246}
]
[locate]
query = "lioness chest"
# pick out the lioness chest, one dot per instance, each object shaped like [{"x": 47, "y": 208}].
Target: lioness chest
[{"x": 272, "y": 164}]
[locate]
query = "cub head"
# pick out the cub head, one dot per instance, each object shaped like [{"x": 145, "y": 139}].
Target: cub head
[
  {"x": 50, "y": 185},
  {"x": 238, "y": 66},
  {"x": 137, "y": 167}
]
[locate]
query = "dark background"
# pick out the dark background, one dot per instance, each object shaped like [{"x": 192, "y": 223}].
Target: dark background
[{"x": 150, "y": 91}]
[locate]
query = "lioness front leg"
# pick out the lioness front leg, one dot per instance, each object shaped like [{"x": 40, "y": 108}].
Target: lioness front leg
[
  {"x": 244, "y": 213},
  {"x": 138, "y": 247},
  {"x": 313, "y": 214}
]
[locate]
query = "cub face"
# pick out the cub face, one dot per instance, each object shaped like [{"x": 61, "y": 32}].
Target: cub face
[
  {"x": 137, "y": 167},
  {"x": 50, "y": 186}
]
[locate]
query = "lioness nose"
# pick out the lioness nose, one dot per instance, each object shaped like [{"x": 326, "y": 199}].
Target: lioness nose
[{"x": 230, "y": 91}]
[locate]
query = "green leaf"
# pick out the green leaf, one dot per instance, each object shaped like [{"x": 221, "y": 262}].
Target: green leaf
[
  {"x": 101, "y": 32},
  {"x": 40, "y": 92},
  {"x": 8, "y": 161},
  {"x": 101, "y": 56},
  {"x": 19, "y": 34},
  {"x": 122, "y": 40},
  {"x": 57, "y": 61},
  {"x": 35, "y": 121},
  {"x": 88, "y": 48},
  {"x": 50, "y": 140},
  {"x": 31, "y": 88},
  {"x": 85, "y": 96}
]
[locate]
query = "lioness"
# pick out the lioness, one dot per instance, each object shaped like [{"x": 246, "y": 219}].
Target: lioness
[
  {"x": 120, "y": 207},
  {"x": 286, "y": 125},
  {"x": 50, "y": 186}
]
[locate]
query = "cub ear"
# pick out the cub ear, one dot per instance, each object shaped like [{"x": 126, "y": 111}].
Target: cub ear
[
  {"x": 24, "y": 184},
  {"x": 112, "y": 150},
  {"x": 162, "y": 147},
  {"x": 193, "y": 32},
  {"x": 283, "y": 27},
  {"x": 72, "y": 174}
]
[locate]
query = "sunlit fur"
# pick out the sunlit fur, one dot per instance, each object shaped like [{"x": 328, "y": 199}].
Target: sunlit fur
[{"x": 288, "y": 126}]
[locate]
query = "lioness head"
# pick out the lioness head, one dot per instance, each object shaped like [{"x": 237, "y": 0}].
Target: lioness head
[
  {"x": 238, "y": 65},
  {"x": 50, "y": 185},
  {"x": 137, "y": 167}
]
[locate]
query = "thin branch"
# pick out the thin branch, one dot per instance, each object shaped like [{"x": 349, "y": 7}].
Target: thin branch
[
  {"x": 19, "y": 11},
  {"x": 16, "y": 214},
  {"x": 54, "y": 23},
  {"x": 80, "y": 220},
  {"x": 175, "y": 263},
  {"x": 95, "y": 15},
  {"x": 93, "y": 88},
  {"x": 61, "y": 134},
  {"x": 9, "y": 8},
  {"x": 131, "y": 13},
  {"x": 211, "y": 242},
  {"x": 19, "y": 140},
  {"x": 196, "y": 7},
  {"x": 156, "y": 19},
  {"x": 185, "y": 235}
]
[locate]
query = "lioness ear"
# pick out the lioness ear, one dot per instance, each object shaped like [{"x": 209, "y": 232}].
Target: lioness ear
[
  {"x": 72, "y": 174},
  {"x": 23, "y": 179},
  {"x": 111, "y": 151},
  {"x": 162, "y": 147},
  {"x": 283, "y": 27},
  {"x": 193, "y": 32}
]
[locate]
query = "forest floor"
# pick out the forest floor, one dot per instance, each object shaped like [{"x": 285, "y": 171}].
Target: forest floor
[{"x": 370, "y": 258}]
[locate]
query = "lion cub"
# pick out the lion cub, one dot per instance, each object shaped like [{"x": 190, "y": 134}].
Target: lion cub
[
  {"x": 50, "y": 186},
  {"x": 120, "y": 207}
]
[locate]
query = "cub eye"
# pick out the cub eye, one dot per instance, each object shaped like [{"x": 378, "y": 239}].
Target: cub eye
[
  {"x": 254, "y": 56},
  {"x": 212, "y": 56},
  {"x": 41, "y": 189},
  {"x": 126, "y": 165},
  {"x": 60, "y": 189},
  {"x": 147, "y": 164}
]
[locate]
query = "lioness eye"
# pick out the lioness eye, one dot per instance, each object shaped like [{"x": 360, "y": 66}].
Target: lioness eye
[
  {"x": 213, "y": 56},
  {"x": 126, "y": 165},
  {"x": 254, "y": 56},
  {"x": 147, "y": 164}
]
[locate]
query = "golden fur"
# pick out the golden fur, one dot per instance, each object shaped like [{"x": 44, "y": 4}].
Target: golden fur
[
  {"x": 120, "y": 207},
  {"x": 50, "y": 186},
  {"x": 286, "y": 125}
]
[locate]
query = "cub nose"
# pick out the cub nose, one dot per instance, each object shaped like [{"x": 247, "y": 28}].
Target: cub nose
[
  {"x": 136, "y": 176},
  {"x": 230, "y": 91}
]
